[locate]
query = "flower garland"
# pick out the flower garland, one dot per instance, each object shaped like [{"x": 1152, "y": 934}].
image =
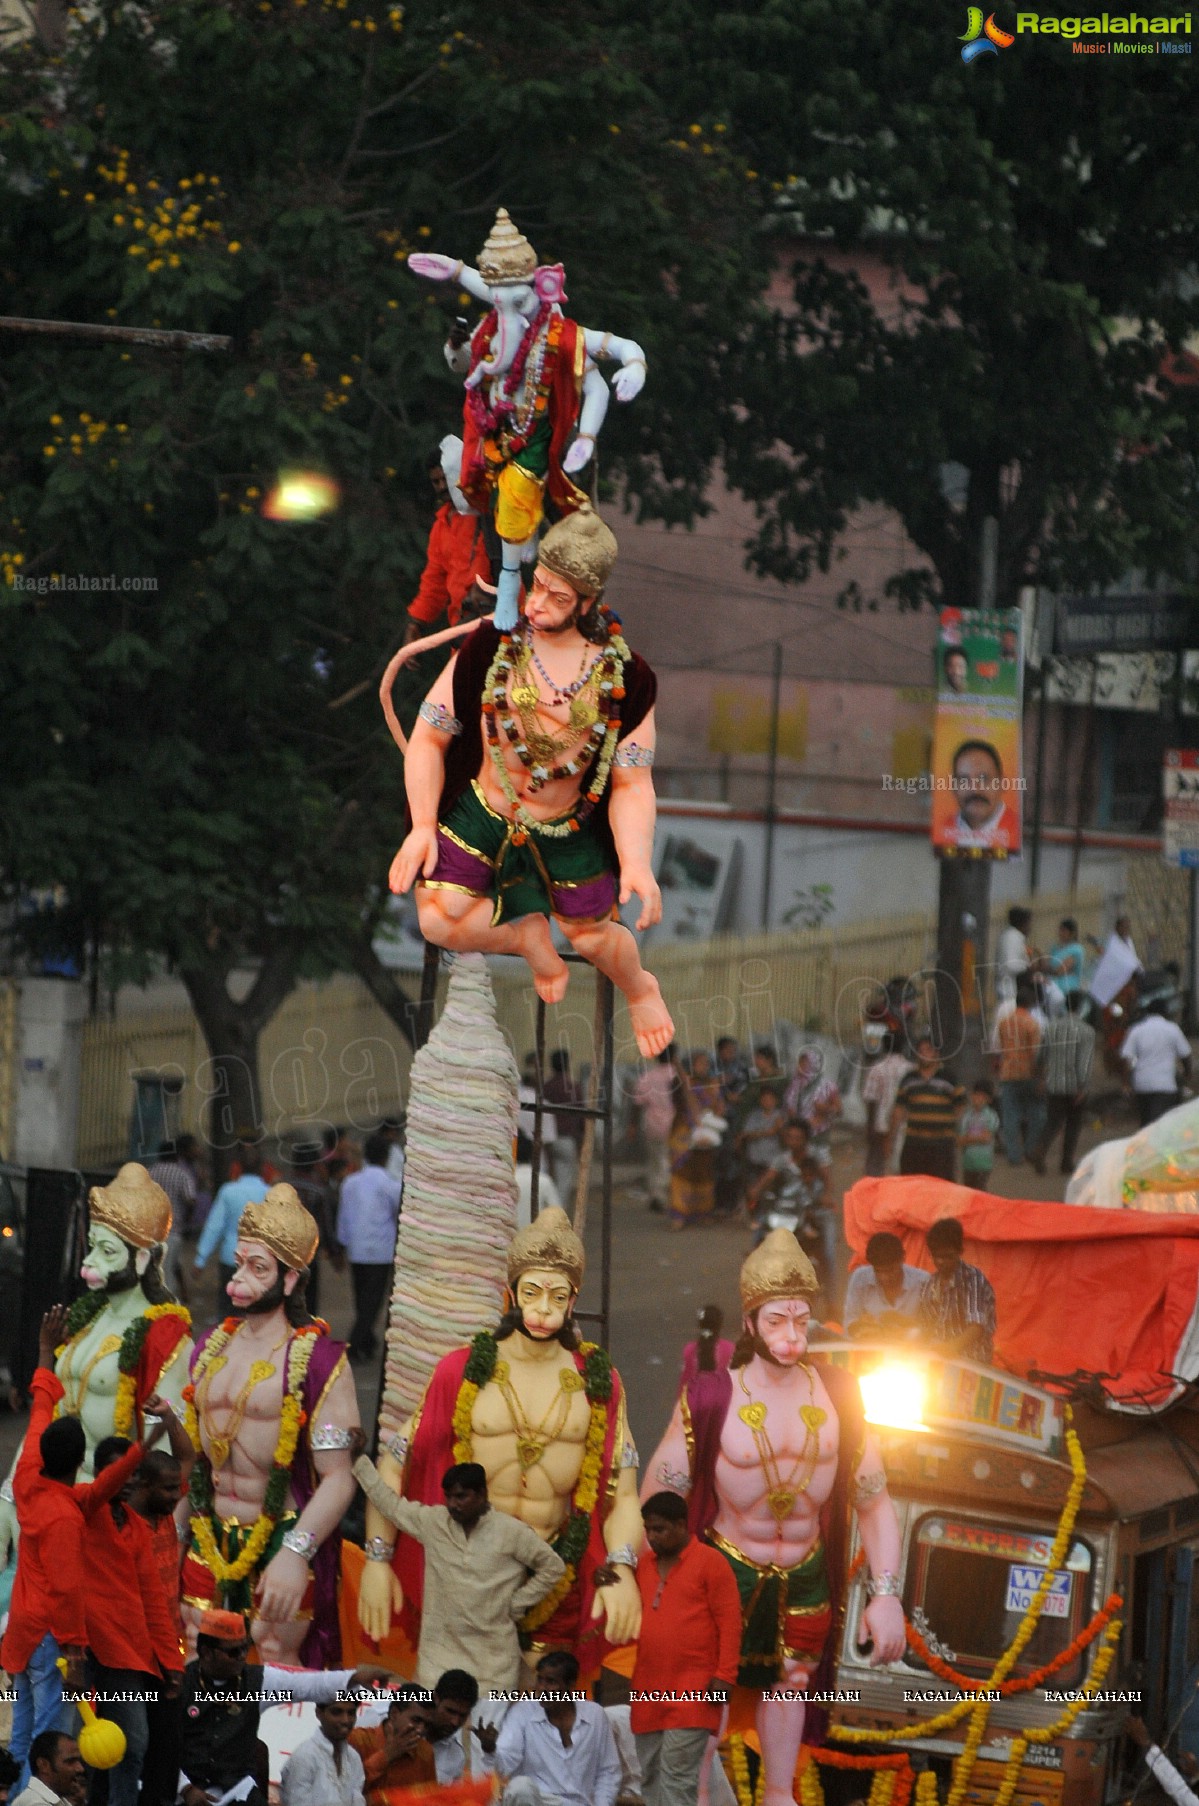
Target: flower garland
[
  {"x": 1027, "y": 1683},
  {"x": 83, "y": 1314},
  {"x": 739, "y": 1763},
  {"x": 979, "y": 1710},
  {"x": 570, "y": 1544},
  {"x": 599, "y": 746},
  {"x": 892, "y": 1785},
  {"x": 488, "y": 417},
  {"x": 229, "y": 1571},
  {"x": 1023, "y": 1683},
  {"x": 1046, "y": 1733},
  {"x": 124, "y": 1417}
]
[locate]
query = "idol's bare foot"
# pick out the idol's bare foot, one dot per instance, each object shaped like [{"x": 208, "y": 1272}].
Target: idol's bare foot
[
  {"x": 550, "y": 972},
  {"x": 652, "y": 1024}
]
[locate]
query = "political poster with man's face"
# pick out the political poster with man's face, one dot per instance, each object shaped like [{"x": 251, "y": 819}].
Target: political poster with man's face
[{"x": 977, "y": 775}]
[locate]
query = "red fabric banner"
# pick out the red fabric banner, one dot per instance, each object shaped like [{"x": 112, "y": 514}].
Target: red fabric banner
[{"x": 1110, "y": 1292}]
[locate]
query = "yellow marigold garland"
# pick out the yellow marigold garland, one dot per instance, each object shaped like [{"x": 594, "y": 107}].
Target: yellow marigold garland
[
  {"x": 291, "y": 1421},
  {"x": 930, "y": 1727},
  {"x": 748, "y": 1796},
  {"x": 124, "y": 1415},
  {"x": 926, "y": 1788},
  {"x": 1046, "y": 1733}
]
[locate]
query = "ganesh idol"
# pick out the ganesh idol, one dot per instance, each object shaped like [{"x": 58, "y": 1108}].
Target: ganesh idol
[
  {"x": 770, "y": 1454},
  {"x": 127, "y": 1336},
  {"x": 535, "y": 398},
  {"x": 545, "y": 1416},
  {"x": 272, "y": 1414}
]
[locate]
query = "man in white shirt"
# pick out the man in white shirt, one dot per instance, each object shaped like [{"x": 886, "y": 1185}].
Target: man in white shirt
[
  {"x": 460, "y": 1747},
  {"x": 325, "y": 1770},
  {"x": 883, "y": 1297},
  {"x": 367, "y": 1214},
  {"x": 559, "y": 1745},
  {"x": 1153, "y": 1052},
  {"x": 57, "y": 1775},
  {"x": 1012, "y": 958},
  {"x": 1160, "y": 1766},
  {"x": 1118, "y": 965},
  {"x": 483, "y": 1571}
]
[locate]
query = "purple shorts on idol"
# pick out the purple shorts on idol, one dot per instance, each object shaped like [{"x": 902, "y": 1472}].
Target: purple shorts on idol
[{"x": 563, "y": 876}]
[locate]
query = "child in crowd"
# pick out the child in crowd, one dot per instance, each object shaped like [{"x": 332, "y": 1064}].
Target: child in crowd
[
  {"x": 976, "y": 1136},
  {"x": 760, "y": 1139}
]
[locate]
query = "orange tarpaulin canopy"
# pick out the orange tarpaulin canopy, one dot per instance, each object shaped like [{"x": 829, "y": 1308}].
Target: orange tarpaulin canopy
[{"x": 1108, "y": 1292}]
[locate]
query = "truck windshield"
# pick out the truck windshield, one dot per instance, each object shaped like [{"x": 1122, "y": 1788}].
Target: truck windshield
[{"x": 970, "y": 1583}]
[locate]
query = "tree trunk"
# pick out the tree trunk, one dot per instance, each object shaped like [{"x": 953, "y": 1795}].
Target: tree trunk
[
  {"x": 387, "y": 992},
  {"x": 232, "y": 1031}
]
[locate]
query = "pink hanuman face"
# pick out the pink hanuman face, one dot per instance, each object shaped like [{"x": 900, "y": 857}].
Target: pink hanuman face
[
  {"x": 783, "y": 1327},
  {"x": 254, "y": 1274},
  {"x": 544, "y": 1298}
]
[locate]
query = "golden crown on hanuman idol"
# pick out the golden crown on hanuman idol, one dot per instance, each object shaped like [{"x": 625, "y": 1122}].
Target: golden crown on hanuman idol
[
  {"x": 777, "y": 1268},
  {"x": 281, "y": 1223},
  {"x": 547, "y": 1245},
  {"x": 133, "y": 1205}
]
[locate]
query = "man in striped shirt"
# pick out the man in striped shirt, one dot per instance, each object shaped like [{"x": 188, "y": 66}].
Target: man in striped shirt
[
  {"x": 957, "y": 1311},
  {"x": 929, "y": 1104},
  {"x": 1069, "y": 1050}
]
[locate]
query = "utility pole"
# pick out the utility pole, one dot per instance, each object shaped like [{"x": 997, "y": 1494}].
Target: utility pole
[
  {"x": 964, "y": 904},
  {"x": 772, "y": 772}
]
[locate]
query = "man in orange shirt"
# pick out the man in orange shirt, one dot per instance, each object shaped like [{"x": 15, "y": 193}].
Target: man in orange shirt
[
  {"x": 456, "y": 557},
  {"x": 1017, "y": 1060},
  {"x": 396, "y": 1754},
  {"x": 132, "y": 1641},
  {"x": 46, "y": 1615},
  {"x": 690, "y": 1644}
]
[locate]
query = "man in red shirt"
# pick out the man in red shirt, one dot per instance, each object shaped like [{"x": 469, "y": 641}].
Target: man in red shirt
[
  {"x": 689, "y": 1645},
  {"x": 132, "y": 1641},
  {"x": 158, "y": 1485},
  {"x": 46, "y": 1615},
  {"x": 456, "y": 557}
]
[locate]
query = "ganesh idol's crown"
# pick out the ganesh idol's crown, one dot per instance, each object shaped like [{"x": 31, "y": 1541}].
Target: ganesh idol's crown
[
  {"x": 777, "y": 1268},
  {"x": 507, "y": 256},
  {"x": 132, "y": 1205},
  {"x": 548, "y": 1244},
  {"x": 281, "y": 1223}
]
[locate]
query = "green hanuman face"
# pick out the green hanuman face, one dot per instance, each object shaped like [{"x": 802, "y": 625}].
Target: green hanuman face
[{"x": 107, "y": 1255}]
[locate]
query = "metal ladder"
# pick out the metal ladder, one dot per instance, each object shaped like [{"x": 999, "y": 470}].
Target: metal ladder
[{"x": 600, "y": 1112}]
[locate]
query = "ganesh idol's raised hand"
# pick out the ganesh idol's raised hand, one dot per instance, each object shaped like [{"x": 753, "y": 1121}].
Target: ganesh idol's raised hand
[
  {"x": 771, "y": 1454},
  {"x": 546, "y": 1418}
]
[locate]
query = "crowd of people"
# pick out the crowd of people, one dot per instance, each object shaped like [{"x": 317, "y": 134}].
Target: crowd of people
[{"x": 98, "y": 1593}]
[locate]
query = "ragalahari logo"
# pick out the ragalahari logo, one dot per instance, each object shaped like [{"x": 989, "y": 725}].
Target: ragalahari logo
[{"x": 983, "y": 40}]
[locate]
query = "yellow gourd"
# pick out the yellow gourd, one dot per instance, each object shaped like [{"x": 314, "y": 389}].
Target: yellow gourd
[{"x": 101, "y": 1742}]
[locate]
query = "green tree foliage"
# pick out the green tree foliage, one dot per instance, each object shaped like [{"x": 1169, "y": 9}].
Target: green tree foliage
[
  {"x": 202, "y": 766},
  {"x": 1040, "y": 255}
]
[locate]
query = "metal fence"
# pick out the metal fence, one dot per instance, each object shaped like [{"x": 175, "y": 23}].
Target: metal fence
[{"x": 331, "y": 1055}]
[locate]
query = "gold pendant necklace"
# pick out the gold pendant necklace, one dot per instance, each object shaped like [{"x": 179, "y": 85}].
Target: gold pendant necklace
[
  {"x": 74, "y": 1408},
  {"x": 531, "y": 1443},
  {"x": 220, "y": 1443},
  {"x": 781, "y": 1493}
]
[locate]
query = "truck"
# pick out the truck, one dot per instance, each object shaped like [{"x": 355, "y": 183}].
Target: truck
[{"x": 978, "y": 1467}]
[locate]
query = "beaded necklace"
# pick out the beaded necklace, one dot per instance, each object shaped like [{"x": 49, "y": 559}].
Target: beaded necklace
[
  {"x": 599, "y": 745},
  {"x": 537, "y": 341}
]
